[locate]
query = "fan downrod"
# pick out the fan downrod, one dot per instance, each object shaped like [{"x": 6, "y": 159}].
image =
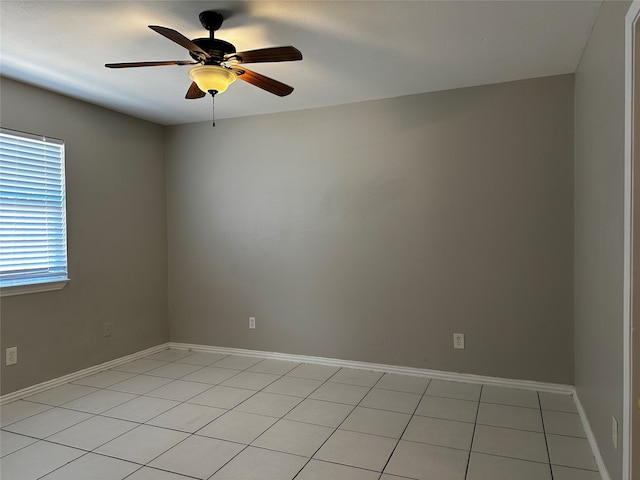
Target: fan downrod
[{"x": 211, "y": 21}]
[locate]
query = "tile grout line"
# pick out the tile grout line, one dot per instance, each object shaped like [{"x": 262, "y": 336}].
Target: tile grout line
[
  {"x": 473, "y": 433},
  {"x": 93, "y": 415},
  {"x": 211, "y": 385},
  {"x": 280, "y": 418},
  {"x": 63, "y": 465},
  {"x": 328, "y": 380},
  {"x": 544, "y": 434},
  {"x": 189, "y": 434},
  {"x": 335, "y": 429},
  {"x": 426, "y": 387},
  {"x": 138, "y": 424},
  {"x": 162, "y": 470},
  {"x": 138, "y": 395}
]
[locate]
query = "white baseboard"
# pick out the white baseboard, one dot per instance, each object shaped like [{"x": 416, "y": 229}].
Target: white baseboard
[
  {"x": 56, "y": 382},
  {"x": 420, "y": 372},
  {"x": 591, "y": 438}
]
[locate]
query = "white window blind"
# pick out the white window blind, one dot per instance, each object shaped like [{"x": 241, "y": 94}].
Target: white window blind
[{"x": 33, "y": 232}]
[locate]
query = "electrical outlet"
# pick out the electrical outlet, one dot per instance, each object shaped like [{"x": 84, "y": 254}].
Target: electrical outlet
[
  {"x": 614, "y": 432},
  {"x": 12, "y": 356},
  {"x": 106, "y": 330},
  {"x": 458, "y": 340},
  {"x": 252, "y": 323}
]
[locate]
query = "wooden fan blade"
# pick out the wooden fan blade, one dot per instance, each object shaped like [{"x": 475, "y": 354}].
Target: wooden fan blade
[
  {"x": 194, "y": 92},
  {"x": 263, "y": 82},
  {"x": 273, "y": 54},
  {"x": 149, "y": 64},
  {"x": 180, "y": 40}
]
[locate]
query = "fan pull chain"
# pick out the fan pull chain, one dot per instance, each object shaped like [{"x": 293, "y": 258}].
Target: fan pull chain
[{"x": 213, "y": 105}]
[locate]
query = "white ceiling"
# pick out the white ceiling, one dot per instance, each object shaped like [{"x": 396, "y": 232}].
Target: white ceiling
[{"x": 353, "y": 50}]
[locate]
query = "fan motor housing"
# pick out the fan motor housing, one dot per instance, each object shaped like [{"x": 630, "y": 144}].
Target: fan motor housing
[{"x": 213, "y": 46}]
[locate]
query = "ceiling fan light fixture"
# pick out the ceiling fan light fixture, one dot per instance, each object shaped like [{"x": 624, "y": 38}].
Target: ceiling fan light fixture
[{"x": 212, "y": 78}]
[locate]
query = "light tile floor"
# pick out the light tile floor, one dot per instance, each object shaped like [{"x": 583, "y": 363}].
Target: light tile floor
[{"x": 180, "y": 415}]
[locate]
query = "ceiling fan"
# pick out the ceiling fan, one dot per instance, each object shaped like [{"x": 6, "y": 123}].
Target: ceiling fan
[{"x": 219, "y": 64}]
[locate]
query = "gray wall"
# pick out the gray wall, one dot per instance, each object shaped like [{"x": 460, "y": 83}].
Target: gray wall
[
  {"x": 116, "y": 209},
  {"x": 599, "y": 225},
  {"x": 373, "y": 231}
]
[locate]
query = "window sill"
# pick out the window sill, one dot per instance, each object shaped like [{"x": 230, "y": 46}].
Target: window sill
[{"x": 33, "y": 288}]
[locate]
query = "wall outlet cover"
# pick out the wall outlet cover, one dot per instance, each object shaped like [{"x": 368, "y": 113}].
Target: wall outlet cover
[
  {"x": 11, "y": 356},
  {"x": 252, "y": 323},
  {"x": 107, "y": 329},
  {"x": 458, "y": 341}
]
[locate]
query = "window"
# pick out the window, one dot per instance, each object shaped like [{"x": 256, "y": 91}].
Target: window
[{"x": 33, "y": 230}]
